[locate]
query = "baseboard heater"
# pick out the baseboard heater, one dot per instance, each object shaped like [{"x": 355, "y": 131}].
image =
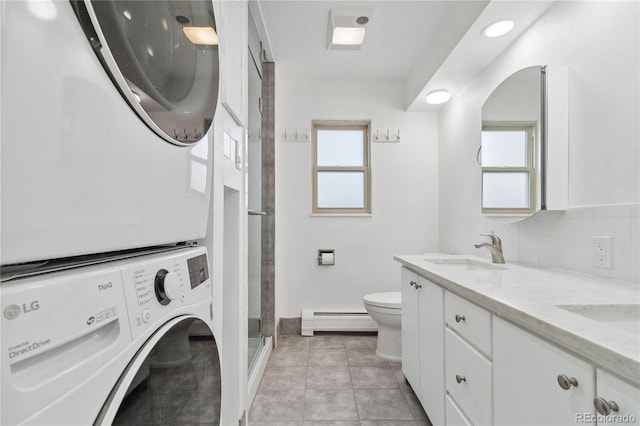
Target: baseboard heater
[{"x": 336, "y": 321}]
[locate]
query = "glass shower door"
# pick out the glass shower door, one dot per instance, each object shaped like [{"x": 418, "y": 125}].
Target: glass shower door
[{"x": 256, "y": 219}]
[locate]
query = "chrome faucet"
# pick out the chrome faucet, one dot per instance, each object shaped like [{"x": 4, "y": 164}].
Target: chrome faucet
[{"x": 495, "y": 247}]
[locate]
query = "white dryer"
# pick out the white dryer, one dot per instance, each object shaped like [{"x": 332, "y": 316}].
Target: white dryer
[
  {"x": 106, "y": 111},
  {"x": 126, "y": 342}
]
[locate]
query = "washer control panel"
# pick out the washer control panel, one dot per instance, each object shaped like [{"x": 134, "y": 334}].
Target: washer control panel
[
  {"x": 163, "y": 284},
  {"x": 167, "y": 286}
]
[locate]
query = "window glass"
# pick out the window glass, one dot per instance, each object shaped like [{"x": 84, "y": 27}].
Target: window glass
[
  {"x": 505, "y": 190},
  {"x": 341, "y": 172},
  {"x": 504, "y": 148},
  {"x": 341, "y": 190},
  {"x": 340, "y": 147}
]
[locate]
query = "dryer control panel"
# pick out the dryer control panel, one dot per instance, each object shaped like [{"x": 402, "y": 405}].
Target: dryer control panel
[{"x": 164, "y": 284}]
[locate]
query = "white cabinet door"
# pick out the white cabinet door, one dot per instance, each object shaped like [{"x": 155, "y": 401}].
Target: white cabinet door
[
  {"x": 423, "y": 342},
  {"x": 526, "y": 385},
  {"x": 432, "y": 390},
  {"x": 614, "y": 392},
  {"x": 410, "y": 322}
]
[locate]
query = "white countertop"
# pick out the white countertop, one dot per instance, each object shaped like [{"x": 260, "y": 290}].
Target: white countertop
[{"x": 530, "y": 297}]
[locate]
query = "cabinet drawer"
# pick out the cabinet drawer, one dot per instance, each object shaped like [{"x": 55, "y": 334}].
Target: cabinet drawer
[
  {"x": 469, "y": 320},
  {"x": 455, "y": 417},
  {"x": 474, "y": 391}
]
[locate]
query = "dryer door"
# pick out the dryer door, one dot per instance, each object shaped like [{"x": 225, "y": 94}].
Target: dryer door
[
  {"x": 163, "y": 57},
  {"x": 173, "y": 379}
]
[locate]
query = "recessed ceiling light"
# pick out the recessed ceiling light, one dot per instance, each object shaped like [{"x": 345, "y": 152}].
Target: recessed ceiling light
[
  {"x": 438, "y": 97},
  {"x": 498, "y": 29}
]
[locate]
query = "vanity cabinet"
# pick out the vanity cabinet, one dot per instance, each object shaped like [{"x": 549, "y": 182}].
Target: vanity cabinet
[
  {"x": 423, "y": 342},
  {"x": 468, "y": 365},
  {"x": 538, "y": 383},
  {"x": 454, "y": 414},
  {"x": 616, "y": 393}
]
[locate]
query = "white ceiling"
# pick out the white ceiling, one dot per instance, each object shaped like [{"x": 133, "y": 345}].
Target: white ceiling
[
  {"x": 397, "y": 34},
  {"x": 409, "y": 40}
]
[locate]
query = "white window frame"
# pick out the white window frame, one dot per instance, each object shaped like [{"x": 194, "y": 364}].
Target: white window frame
[
  {"x": 530, "y": 167},
  {"x": 365, "y": 126}
]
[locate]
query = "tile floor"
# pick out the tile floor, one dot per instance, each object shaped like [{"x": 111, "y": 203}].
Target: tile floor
[{"x": 333, "y": 380}]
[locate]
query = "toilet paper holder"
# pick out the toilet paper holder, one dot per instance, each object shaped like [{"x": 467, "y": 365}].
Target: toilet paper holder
[{"x": 326, "y": 257}]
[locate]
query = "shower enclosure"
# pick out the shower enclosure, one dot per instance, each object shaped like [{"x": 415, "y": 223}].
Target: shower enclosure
[{"x": 257, "y": 217}]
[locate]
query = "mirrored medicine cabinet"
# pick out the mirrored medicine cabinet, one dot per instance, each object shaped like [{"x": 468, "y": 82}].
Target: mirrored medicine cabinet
[{"x": 524, "y": 144}]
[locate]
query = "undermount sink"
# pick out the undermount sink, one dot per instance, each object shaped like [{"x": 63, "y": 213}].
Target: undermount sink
[
  {"x": 464, "y": 263},
  {"x": 624, "y": 316}
]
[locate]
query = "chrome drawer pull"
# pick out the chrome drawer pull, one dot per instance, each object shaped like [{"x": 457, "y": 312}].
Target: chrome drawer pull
[
  {"x": 460, "y": 318},
  {"x": 460, "y": 378},
  {"x": 605, "y": 408},
  {"x": 566, "y": 382}
]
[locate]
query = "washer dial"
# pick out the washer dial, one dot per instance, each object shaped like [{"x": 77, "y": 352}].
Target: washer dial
[{"x": 167, "y": 286}]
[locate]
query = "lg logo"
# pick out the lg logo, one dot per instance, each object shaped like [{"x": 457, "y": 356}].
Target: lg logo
[{"x": 13, "y": 311}]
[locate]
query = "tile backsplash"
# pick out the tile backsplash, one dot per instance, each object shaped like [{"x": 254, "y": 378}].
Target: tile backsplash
[{"x": 564, "y": 239}]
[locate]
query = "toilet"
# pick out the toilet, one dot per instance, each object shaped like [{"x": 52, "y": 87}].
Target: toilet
[{"x": 385, "y": 309}]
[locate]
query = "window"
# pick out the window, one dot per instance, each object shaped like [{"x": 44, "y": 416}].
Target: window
[
  {"x": 341, "y": 172},
  {"x": 508, "y": 172}
]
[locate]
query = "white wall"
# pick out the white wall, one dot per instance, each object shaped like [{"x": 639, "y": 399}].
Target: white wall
[
  {"x": 404, "y": 196},
  {"x": 599, "y": 41},
  {"x": 226, "y": 234}
]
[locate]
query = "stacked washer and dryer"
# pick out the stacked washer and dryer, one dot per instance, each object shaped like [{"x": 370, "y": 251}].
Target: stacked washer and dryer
[{"x": 106, "y": 182}]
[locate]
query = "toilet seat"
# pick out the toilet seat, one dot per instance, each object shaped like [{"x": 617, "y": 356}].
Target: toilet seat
[{"x": 388, "y": 300}]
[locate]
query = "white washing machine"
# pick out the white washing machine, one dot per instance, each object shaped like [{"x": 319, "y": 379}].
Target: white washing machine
[
  {"x": 125, "y": 342},
  {"x": 106, "y": 114}
]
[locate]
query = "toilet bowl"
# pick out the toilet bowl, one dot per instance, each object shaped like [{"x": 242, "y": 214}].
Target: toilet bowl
[{"x": 385, "y": 309}]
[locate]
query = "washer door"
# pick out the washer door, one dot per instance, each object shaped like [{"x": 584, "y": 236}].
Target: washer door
[
  {"x": 174, "y": 379},
  {"x": 163, "y": 57}
]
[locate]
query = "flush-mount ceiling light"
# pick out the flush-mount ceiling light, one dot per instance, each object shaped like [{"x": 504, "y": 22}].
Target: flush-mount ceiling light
[
  {"x": 438, "y": 97},
  {"x": 346, "y": 29},
  {"x": 203, "y": 36},
  {"x": 498, "y": 29},
  {"x": 346, "y": 36}
]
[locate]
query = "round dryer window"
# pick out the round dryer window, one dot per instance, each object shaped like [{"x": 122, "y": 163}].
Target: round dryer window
[{"x": 163, "y": 58}]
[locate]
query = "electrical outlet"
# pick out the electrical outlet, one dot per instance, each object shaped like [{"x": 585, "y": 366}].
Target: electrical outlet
[{"x": 602, "y": 252}]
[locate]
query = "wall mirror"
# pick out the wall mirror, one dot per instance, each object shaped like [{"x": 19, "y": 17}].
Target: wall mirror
[
  {"x": 514, "y": 146},
  {"x": 511, "y": 144}
]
